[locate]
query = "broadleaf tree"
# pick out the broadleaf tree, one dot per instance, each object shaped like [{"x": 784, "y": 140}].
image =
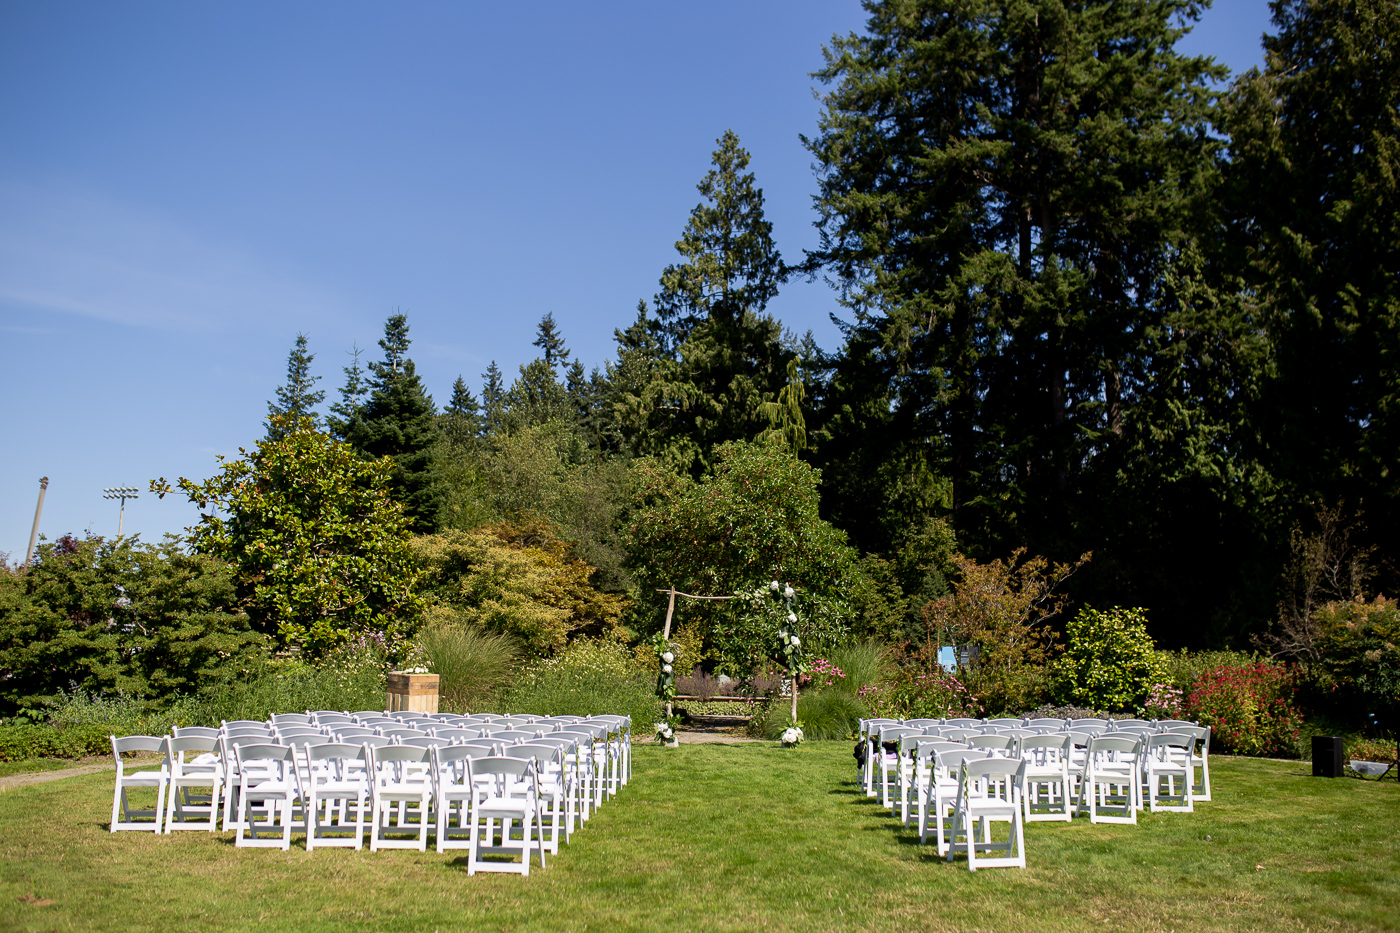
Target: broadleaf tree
[{"x": 319, "y": 546}]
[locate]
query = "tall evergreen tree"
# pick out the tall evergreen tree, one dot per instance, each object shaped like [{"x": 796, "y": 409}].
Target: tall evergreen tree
[
  {"x": 398, "y": 421},
  {"x": 461, "y": 420},
  {"x": 732, "y": 267},
  {"x": 536, "y": 396},
  {"x": 629, "y": 418},
  {"x": 1001, "y": 190},
  {"x": 1314, "y": 163},
  {"x": 551, "y": 342},
  {"x": 351, "y": 397},
  {"x": 493, "y": 399},
  {"x": 726, "y": 357},
  {"x": 298, "y": 398}
]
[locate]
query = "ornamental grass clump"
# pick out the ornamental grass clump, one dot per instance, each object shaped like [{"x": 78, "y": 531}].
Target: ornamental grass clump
[
  {"x": 861, "y": 663},
  {"x": 472, "y": 664},
  {"x": 1249, "y": 708}
]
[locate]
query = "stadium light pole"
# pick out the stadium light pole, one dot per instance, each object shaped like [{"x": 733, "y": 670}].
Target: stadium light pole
[
  {"x": 123, "y": 493},
  {"x": 38, "y": 510}
]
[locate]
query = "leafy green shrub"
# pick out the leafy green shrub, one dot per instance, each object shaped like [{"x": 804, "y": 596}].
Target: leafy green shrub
[
  {"x": 1248, "y": 707},
  {"x": 472, "y": 664},
  {"x": 1360, "y": 646},
  {"x": 147, "y": 621},
  {"x": 30, "y": 740},
  {"x": 1110, "y": 660},
  {"x": 930, "y": 694},
  {"x": 348, "y": 678},
  {"x": 321, "y": 550},
  {"x": 590, "y": 678}
]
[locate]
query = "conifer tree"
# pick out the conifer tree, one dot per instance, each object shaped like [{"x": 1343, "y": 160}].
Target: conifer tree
[
  {"x": 461, "y": 421},
  {"x": 725, "y": 357},
  {"x": 1313, "y": 169},
  {"x": 493, "y": 399},
  {"x": 551, "y": 342},
  {"x": 398, "y": 421},
  {"x": 298, "y": 398},
  {"x": 1002, "y": 190},
  {"x": 351, "y": 397},
  {"x": 536, "y": 396}
]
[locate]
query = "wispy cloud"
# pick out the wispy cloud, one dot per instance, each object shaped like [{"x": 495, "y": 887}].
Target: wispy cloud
[{"x": 70, "y": 254}]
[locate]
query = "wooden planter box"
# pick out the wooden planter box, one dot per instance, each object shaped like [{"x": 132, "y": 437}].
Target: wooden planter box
[{"x": 417, "y": 692}]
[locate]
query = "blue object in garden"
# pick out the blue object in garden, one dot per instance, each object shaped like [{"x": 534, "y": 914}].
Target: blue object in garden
[{"x": 947, "y": 659}]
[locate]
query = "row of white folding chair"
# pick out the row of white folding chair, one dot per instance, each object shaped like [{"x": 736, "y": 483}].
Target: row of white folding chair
[
  {"x": 568, "y": 801},
  {"x": 1060, "y": 782},
  {"x": 410, "y": 790}
]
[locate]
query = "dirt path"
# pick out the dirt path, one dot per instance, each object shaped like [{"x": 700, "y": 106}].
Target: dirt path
[
  {"x": 723, "y": 730},
  {"x": 38, "y": 777}
]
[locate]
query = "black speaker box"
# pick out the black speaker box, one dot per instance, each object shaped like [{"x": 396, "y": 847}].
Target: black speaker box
[{"x": 1327, "y": 756}]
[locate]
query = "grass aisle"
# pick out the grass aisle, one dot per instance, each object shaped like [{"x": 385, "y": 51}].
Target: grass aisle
[{"x": 717, "y": 838}]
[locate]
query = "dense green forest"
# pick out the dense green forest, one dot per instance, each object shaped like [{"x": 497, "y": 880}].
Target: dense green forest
[
  {"x": 1119, "y": 330},
  {"x": 1096, "y": 299}
]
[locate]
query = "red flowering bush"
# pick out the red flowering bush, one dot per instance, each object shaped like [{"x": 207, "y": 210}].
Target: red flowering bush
[{"x": 1248, "y": 707}]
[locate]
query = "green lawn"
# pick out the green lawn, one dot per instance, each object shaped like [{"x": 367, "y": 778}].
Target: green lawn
[{"x": 715, "y": 838}]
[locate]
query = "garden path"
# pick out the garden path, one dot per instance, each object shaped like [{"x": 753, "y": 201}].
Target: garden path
[
  {"x": 723, "y": 730},
  {"x": 11, "y": 781}
]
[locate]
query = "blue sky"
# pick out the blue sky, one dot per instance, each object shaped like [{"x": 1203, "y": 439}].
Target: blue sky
[{"x": 185, "y": 187}]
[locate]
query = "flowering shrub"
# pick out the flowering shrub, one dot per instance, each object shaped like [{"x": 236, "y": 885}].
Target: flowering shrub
[
  {"x": 1248, "y": 707},
  {"x": 1362, "y": 749},
  {"x": 1163, "y": 702},
  {"x": 932, "y": 694},
  {"x": 823, "y": 673}
]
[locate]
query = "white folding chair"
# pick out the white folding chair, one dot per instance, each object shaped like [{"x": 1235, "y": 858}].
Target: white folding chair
[
  {"x": 454, "y": 791},
  {"x": 989, "y": 792},
  {"x": 942, "y": 792},
  {"x": 1048, "y": 793},
  {"x": 336, "y": 790},
  {"x": 889, "y": 759},
  {"x": 192, "y": 762},
  {"x": 1167, "y": 759},
  {"x": 1200, "y": 760},
  {"x": 513, "y": 797},
  {"x": 554, "y": 783},
  {"x": 267, "y": 781},
  {"x": 124, "y": 817},
  {"x": 869, "y": 728},
  {"x": 1109, "y": 788},
  {"x": 624, "y": 747},
  {"x": 401, "y": 787}
]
